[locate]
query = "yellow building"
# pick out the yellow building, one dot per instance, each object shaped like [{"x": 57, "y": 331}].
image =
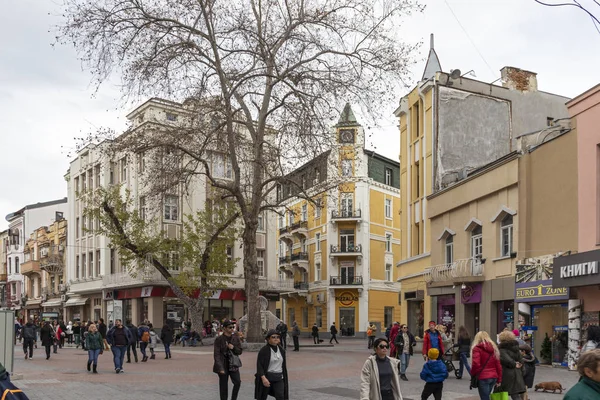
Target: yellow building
[{"x": 339, "y": 237}]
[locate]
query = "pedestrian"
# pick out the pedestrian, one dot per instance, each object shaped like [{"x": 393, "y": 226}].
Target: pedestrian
[
  {"x": 7, "y": 389},
  {"x": 315, "y": 333},
  {"x": 166, "y": 336},
  {"x": 588, "y": 387},
  {"x": 593, "y": 338},
  {"x": 486, "y": 367},
  {"x": 393, "y": 332},
  {"x": 271, "y": 370},
  {"x": 518, "y": 337},
  {"x": 152, "y": 341},
  {"x": 47, "y": 337},
  {"x": 371, "y": 334},
  {"x": 131, "y": 347},
  {"x": 17, "y": 329},
  {"x": 434, "y": 374},
  {"x": 94, "y": 344},
  {"x": 63, "y": 334},
  {"x": 296, "y": 336},
  {"x": 70, "y": 333},
  {"x": 333, "y": 331},
  {"x": 405, "y": 341},
  {"x": 103, "y": 330},
  {"x": 432, "y": 340},
  {"x": 29, "y": 336},
  {"x": 226, "y": 347},
  {"x": 379, "y": 375},
  {"x": 118, "y": 337},
  {"x": 464, "y": 349},
  {"x": 84, "y": 329},
  {"x": 512, "y": 366},
  {"x": 144, "y": 337},
  {"x": 529, "y": 362},
  {"x": 56, "y": 332},
  {"x": 282, "y": 329}
]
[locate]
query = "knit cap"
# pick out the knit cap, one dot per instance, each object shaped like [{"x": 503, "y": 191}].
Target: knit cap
[{"x": 433, "y": 353}]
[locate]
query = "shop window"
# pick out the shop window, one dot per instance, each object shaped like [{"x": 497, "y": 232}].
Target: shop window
[{"x": 506, "y": 236}]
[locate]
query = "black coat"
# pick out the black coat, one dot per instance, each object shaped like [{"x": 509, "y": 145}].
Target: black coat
[
  {"x": 47, "y": 335},
  {"x": 464, "y": 345},
  {"x": 333, "y": 330},
  {"x": 221, "y": 352},
  {"x": 166, "y": 335},
  {"x": 512, "y": 377},
  {"x": 315, "y": 331},
  {"x": 529, "y": 369},
  {"x": 102, "y": 330},
  {"x": 262, "y": 366},
  {"x": 399, "y": 343}
]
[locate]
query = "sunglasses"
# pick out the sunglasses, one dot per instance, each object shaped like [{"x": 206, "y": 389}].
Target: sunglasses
[
  {"x": 274, "y": 337},
  {"x": 383, "y": 346}
]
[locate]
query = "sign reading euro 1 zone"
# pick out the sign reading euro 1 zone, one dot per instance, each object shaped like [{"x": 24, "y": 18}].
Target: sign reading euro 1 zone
[{"x": 539, "y": 291}]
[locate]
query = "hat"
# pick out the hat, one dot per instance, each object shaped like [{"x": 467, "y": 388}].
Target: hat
[
  {"x": 433, "y": 353},
  {"x": 516, "y": 332},
  {"x": 271, "y": 332},
  {"x": 227, "y": 323}
]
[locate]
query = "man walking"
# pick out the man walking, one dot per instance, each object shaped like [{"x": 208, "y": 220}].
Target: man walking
[
  {"x": 333, "y": 330},
  {"x": 282, "y": 329},
  {"x": 102, "y": 329},
  {"x": 372, "y": 334},
  {"x": 133, "y": 345},
  {"x": 224, "y": 345},
  {"x": 296, "y": 336},
  {"x": 29, "y": 336},
  {"x": 119, "y": 338}
]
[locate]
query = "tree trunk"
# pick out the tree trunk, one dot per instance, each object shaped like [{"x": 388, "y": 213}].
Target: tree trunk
[
  {"x": 195, "y": 307},
  {"x": 254, "y": 332}
]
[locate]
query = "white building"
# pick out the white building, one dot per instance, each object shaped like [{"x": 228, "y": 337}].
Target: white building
[{"x": 21, "y": 224}]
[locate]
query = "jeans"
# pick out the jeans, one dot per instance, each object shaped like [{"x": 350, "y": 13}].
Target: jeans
[
  {"x": 132, "y": 347},
  {"x": 77, "y": 339},
  {"x": 28, "y": 345},
  {"x": 224, "y": 384},
  {"x": 296, "y": 343},
  {"x": 167, "y": 349},
  {"x": 118, "y": 355},
  {"x": 404, "y": 361},
  {"x": 93, "y": 356},
  {"x": 464, "y": 363},
  {"x": 485, "y": 388},
  {"x": 143, "y": 346},
  {"x": 371, "y": 341},
  {"x": 333, "y": 337},
  {"x": 434, "y": 388}
]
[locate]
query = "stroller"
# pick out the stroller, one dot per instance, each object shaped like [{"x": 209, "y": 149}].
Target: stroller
[{"x": 449, "y": 357}]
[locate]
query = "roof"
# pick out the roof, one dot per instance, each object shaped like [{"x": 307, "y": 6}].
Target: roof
[
  {"x": 371, "y": 153},
  {"x": 347, "y": 117},
  {"x": 12, "y": 215}
]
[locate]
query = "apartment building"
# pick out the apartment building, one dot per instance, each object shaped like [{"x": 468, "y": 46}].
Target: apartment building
[
  {"x": 3, "y": 276},
  {"x": 340, "y": 244}
]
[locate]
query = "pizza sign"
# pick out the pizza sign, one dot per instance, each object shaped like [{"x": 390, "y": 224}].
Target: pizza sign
[{"x": 347, "y": 298}]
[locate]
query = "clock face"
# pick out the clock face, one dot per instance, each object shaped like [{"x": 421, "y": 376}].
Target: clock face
[{"x": 347, "y": 135}]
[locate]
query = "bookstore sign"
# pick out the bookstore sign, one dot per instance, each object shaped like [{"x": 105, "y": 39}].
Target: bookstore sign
[{"x": 579, "y": 269}]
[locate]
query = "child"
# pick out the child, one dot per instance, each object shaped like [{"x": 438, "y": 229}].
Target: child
[
  {"x": 152, "y": 342},
  {"x": 434, "y": 373},
  {"x": 528, "y": 367}
]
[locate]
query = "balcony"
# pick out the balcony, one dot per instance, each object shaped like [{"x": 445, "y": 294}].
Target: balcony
[
  {"x": 53, "y": 264},
  {"x": 284, "y": 260},
  {"x": 30, "y": 267},
  {"x": 342, "y": 280},
  {"x": 300, "y": 260},
  {"x": 148, "y": 277},
  {"x": 459, "y": 271},
  {"x": 345, "y": 250},
  {"x": 301, "y": 285},
  {"x": 3, "y": 277},
  {"x": 345, "y": 215},
  {"x": 300, "y": 229},
  {"x": 276, "y": 284},
  {"x": 285, "y": 233}
]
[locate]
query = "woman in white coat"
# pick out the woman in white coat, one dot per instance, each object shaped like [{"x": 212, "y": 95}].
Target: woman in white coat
[{"x": 380, "y": 376}]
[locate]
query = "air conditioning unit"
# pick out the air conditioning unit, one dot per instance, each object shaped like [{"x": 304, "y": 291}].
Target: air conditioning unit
[
  {"x": 309, "y": 299},
  {"x": 63, "y": 297}
]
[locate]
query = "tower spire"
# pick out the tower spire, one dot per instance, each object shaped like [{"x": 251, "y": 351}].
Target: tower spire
[{"x": 433, "y": 62}]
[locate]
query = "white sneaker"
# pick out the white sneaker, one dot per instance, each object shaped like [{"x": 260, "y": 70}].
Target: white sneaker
[{"x": 31, "y": 358}]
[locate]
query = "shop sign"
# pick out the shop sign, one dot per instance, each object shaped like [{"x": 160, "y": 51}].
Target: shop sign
[
  {"x": 346, "y": 299},
  {"x": 579, "y": 269},
  {"x": 539, "y": 291},
  {"x": 108, "y": 294},
  {"x": 147, "y": 291},
  {"x": 471, "y": 294}
]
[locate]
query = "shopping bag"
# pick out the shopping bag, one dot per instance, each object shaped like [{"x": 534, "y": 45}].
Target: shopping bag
[{"x": 499, "y": 396}]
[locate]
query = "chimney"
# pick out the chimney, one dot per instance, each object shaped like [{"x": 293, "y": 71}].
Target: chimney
[{"x": 519, "y": 79}]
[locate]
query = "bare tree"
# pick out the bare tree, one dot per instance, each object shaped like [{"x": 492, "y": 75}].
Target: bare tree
[
  {"x": 262, "y": 80},
  {"x": 593, "y": 10}
]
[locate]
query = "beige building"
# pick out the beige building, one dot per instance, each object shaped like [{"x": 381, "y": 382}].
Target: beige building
[{"x": 3, "y": 275}]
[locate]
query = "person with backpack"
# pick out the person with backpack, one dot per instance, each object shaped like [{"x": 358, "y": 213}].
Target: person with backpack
[
  {"x": 144, "y": 335},
  {"x": 8, "y": 390}
]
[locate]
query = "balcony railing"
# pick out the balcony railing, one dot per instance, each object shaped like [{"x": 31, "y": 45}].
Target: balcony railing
[
  {"x": 275, "y": 284},
  {"x": 346, "y": 214},
  {"x": 30, "y": 267},
  {"x": 284, "y": 230},
  {"x": 345, "y": 280},
  {"x": 301, "y": 285},
  {"x": 454, "y": 271},
  {"x": 142, "y": 277},
  {"x": 284, "y": 260},
  {"x": 300, "y": 256},
  {"x": 350, "y": 248}
]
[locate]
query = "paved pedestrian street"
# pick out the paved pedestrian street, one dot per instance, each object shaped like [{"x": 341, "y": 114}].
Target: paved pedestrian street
[{"x": 327, "y": 373}]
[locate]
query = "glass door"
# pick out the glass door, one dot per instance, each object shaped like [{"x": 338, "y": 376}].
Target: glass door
[
  {"x": 347, "y": 204},
  {"x": 347, "y": 240},
  {"x": 347, "y": 274},
  {"x": 347, "y": 321}
]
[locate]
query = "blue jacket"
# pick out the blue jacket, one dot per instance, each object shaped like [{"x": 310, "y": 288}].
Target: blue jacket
[
  {"x": 434, "y": 371},
  {"x": 110, "y": 336}
]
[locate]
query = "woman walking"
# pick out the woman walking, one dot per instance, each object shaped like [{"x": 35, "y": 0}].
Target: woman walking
[
  {"x": 94, "y": 343},
  {"x": 271, "y": 370},
  {"x": 486, "y": 364},
  {"x": 464, "y": 348},
  {"x": 529, "y": 361},
  {"x": 404, "y": 343},
  {"x": 166, "y": 336},
  {"x": 394, "y": 330},
  {"x": 512, "y": 366},
  {"x": 47, "y": 337},
  {"x": 380, "y": 375}
]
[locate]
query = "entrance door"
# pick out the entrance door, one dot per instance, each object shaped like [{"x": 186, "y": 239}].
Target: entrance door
[
  {"x": 347, "y": 240},
  {"x": 347, "y": 274},
  {"x": 347, "y": 321},
  {"x": 546, "y": 317}
]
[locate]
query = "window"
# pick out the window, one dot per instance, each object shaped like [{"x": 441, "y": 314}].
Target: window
[
  {"x": 549, "y": 121},
  {"x": 317, "y": 271},
  {"x": 84, "y": 225},
  {"x": 111, "y": 176},
  {"x": 83, "y": 183},
  {"x": 347, "y": 204},
  {"x": 171, "y": 208},
  {"x": 506, "y": 230},
  {"x": 261, "y": 222},
  {"x": 16, "y": 265},
  {"x": 281, "y": 249},
  {"x": 77, "y": 185},
  {"x": 305, "y": 317},
  {"x": 449, "y": 249},
  {"x": 83, "y": 265},
  {"x": 388, "y": 208},
  {"x": 281, "y": 221},
  {"x": 347, "y": 240},
  {"x": 476, "y": 242},
  {"x": 221, "y": 166},
  {"x": 388, "y": 242},
  {"x": 346, "y": 168},
  {"x": 171, "y": 116},
  {"x": 260, "y": 261},
  {"x": 10, "y": 265},
  {"x": 290, "y": 218},
  {"x": 279, "y": 192},
  {"x": 174, "y": 261},
  {"x": 304, "y": 212},
  {"x": 123, "y": 169},
  {"x": 91, "y": 265},
  {"x": 91, "y": 178},
  {"x": 112, "y": 261},
  {"x": 143, "y": 208},
  {"x": 141, "y": 159},
  {"x": 319, "y": 316},
  {"x": 388, "y": 315},
  {"x": 98, "y": 273},
  {"x": 97, "y": 178},
  {"x": 388, "y": 176},
  {"x": 77, "y": 267},
  {"x": 229, "y": 253},
  {"x": 388, "y": 272},
  {"x": 317, "y": 175},
  {"x": 303, "y": 182},
  {"x": 318, "y": 207},
  {"x": 303, "y": 246},
  {"x": 317, "y": 242}
]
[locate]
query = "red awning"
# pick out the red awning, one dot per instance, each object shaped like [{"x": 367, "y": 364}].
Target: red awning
[{"x": 239, "y": 295}]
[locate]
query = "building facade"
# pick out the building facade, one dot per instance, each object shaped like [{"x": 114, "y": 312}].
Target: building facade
[
  {"x": 4, "y": 243},
  {"x": 339, "y": 236}
]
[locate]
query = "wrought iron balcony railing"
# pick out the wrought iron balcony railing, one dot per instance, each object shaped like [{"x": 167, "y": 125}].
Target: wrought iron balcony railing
[
  {"x": 454, "y": 271},
  {"x": 345, "y": 214},
  {"x": 301, "y": 285},
  {"x": 345, "y": 280},
  {"x": 350, "y": 248},
  {"x": 300, "y": 256}
]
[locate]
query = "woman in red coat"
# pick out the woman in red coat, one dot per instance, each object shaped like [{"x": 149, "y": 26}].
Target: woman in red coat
[
  {"x": 393, "y": 333},
  {"x": 485, "y": 359}
]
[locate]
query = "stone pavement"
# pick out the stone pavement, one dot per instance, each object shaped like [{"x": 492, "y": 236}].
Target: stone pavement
[{"x": 328, "y": 373}]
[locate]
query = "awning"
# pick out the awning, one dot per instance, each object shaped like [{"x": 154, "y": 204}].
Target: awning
[
  {"x": 52, "y": 303},
  {"x": 76, "y": 301}
]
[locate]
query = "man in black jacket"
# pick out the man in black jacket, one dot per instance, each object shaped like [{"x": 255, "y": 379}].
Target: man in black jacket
[
  {"x": 29, "y": 336},
  {"x": 132, "y": 346},
  {"x": 282, "y": 329},
  {"x": 228, "y": 342},
  {"x": 102, "y": 329},
  {"x": 333, "y": 330}
]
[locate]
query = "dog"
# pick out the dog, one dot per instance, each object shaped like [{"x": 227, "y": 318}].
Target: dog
[{"x": 548, "y": 386}]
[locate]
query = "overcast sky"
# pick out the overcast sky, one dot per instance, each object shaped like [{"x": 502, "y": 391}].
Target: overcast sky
[{"x": 46, "y": 99}]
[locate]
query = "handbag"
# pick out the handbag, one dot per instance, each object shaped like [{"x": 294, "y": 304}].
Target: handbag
[
  {"x": 475, "y": 378},
  {"x": 499, "y": 396},
  {"x": 234, "y": 360}
]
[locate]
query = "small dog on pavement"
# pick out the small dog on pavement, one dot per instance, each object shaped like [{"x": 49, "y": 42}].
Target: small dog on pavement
[{"x": 549, "y": 386}]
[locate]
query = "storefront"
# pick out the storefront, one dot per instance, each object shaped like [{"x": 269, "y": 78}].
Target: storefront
[
  {"x": 579, "y": 273},
  {"x": 346, "y": 303}
]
